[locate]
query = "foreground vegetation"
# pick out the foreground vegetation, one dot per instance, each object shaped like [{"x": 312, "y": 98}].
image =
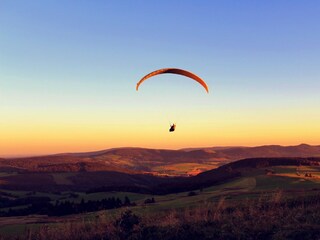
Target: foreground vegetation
[
  {"x": 269, "y": 202},
  {"x": 268, "y": 217}
]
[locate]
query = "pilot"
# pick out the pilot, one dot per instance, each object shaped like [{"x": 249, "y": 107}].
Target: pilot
[{"x": 172, "y": 128}]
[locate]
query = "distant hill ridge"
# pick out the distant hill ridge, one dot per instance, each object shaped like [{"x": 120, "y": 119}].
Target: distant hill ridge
[{"x": 144, "y": 160}]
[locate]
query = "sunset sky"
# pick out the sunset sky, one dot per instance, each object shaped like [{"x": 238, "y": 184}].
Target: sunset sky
[{"x": 68, "y": 71}]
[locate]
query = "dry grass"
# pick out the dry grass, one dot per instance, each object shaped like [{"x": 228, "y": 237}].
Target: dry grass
[{"x": 264, "y": 218}]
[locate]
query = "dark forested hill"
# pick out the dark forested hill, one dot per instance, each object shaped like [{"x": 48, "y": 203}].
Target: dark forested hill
[{"x": 141, "y": 183}]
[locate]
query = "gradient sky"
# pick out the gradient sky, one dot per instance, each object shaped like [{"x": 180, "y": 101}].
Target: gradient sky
[{"x": 68, "y": 71}]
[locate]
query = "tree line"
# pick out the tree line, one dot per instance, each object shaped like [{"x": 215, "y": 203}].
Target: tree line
[{"x": 43, "y": 206}]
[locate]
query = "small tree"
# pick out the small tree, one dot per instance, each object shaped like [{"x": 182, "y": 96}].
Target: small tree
[
  {"x": 126, "y": 223},
  {"x": 127, "y": 201},
  {"x": 148, "y": 200},
  {"x": 192, "y": 193}
]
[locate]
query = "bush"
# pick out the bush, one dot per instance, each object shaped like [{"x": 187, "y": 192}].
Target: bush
[
  {"x": 126, "y": 223},
  {"x": 190, "y": 194},
  {"x": 148, "y": 201}
]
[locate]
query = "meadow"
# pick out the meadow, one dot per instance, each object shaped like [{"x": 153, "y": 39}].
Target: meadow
[{"x": 258, "y": 186}]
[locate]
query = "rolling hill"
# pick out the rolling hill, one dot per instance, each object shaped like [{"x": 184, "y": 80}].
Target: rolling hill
[
  {"x": 141, "y": 183},
  {"x": 184, "y": 162}
]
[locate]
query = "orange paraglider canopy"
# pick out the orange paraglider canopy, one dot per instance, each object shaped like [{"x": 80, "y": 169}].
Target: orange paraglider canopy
[{"x": 174, "y": 71}]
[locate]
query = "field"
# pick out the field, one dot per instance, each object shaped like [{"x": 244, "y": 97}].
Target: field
[
  {"x": 254, "y": 184},
  {"x": 184, "y": 169}
]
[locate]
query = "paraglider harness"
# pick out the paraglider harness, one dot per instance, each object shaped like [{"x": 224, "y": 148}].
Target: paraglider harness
[{"x": 172, "y": 128}]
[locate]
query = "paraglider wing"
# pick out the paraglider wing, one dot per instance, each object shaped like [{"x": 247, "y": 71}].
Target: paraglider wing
[{"x": 174, "y": 71}]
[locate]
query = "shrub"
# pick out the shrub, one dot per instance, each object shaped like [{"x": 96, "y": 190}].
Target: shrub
[
  {"x": 192, "y": 193},
  {"x": 126, "y": 223}
]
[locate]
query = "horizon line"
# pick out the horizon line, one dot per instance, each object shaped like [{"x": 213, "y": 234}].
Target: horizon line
[{"x": 11, "y": 156}]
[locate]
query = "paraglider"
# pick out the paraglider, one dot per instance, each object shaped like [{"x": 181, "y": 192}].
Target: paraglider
[{"x": 174, "y": 71}]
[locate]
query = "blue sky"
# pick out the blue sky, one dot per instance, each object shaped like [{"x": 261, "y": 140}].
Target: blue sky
[{"x": 76, "y": 59}]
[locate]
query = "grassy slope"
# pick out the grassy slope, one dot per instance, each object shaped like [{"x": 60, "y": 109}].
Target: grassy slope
[{"x": 251, "y": 185}]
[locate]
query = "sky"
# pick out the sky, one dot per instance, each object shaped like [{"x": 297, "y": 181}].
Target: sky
[{"x": 68, "y": 71}]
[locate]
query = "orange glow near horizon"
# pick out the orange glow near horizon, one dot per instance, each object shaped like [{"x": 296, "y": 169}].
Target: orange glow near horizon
[{"x": 50, "y": 135}]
